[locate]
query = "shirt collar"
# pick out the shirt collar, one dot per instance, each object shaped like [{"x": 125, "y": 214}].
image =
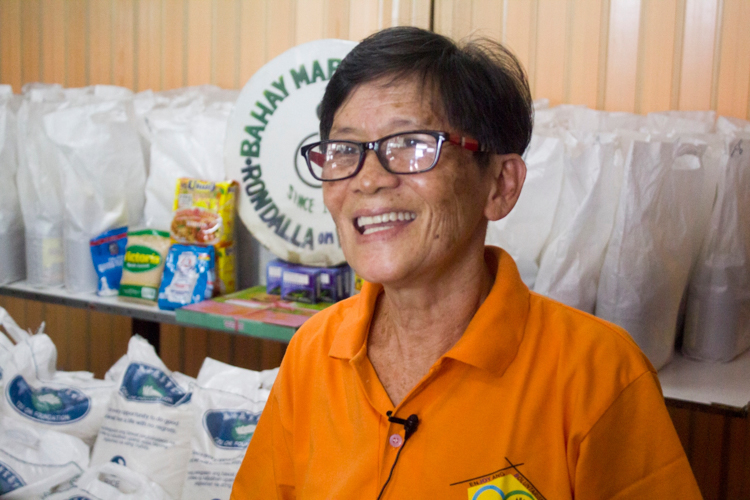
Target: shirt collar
[{"x": 491, "y": 340}]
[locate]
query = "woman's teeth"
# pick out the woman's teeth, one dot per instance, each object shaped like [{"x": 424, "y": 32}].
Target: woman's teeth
[{"x": 363, "y": 222}]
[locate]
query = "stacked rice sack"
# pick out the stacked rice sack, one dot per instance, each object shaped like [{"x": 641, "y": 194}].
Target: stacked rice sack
[
  {"x": 143, "y": 432},
  {"x": 622, "y": 214}
]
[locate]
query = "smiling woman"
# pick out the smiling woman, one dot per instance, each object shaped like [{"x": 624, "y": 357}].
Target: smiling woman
[{"x": 488, "y": 390}]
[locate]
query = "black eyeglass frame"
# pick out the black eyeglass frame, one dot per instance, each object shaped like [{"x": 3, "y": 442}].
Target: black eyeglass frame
[{"x": 440, "y": 137}]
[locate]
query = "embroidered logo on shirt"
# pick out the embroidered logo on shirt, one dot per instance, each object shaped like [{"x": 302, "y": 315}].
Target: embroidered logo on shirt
[
  {"x": 505, "y": 484},
  {"x": 502, "y": 488}
]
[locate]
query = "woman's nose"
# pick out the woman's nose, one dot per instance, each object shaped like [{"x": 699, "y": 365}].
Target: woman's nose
[{"x": 373, "y": 176}]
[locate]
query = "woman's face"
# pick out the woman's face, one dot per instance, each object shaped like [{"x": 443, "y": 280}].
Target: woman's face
[{"x": 439, "y": 214}]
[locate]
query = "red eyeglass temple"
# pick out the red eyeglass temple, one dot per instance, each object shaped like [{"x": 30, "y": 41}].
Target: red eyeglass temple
[{"x": 464, "y": 142}]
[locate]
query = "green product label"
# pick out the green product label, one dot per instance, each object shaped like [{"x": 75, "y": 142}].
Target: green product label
[
  {"x": 139, "y": 259},
  {"x": 138, "y": 291}
]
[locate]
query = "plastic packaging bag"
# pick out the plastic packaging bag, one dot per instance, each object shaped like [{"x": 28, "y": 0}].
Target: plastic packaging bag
[
  {"x": 34, "y": 461},
  {"x": 39, "y": 186},
  {"x": 524, "y": 231},
  {"x": 143, "y": 265},
  {"x": 570, "y": 263},
  {"x": 70, "y": 402},
  {"x": 103, "y": 174},
  {"x": 187, "y": 140},
  {"x": 12, "y": 253},
  {"x": 717, "y": 317},
  {"x": 188, "y": 276},
  {"x": 112, "y": 481},
  {"x": 668, "y": 188},
  {"x": 107, "y": 254},
  {"x": 149, "y": 420},
  {"x": 228, "y": 402}
]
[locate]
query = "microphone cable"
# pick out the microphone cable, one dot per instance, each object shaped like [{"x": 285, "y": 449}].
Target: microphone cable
[{"x": 410, "y": 427}]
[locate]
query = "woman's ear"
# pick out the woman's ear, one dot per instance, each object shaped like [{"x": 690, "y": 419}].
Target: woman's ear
[{"x": 507, "y": 174}]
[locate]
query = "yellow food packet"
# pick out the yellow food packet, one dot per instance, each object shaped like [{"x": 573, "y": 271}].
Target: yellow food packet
[
  {"x": 225, "y": 269},
  {"x": 204, "y": 212}
]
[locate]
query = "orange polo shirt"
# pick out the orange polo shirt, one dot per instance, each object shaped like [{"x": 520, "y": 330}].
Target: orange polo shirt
[{"x": 536, "y": 400}]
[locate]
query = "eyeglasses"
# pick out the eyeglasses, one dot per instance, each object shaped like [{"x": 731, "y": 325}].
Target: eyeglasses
[{"x": 402, "y": 153}]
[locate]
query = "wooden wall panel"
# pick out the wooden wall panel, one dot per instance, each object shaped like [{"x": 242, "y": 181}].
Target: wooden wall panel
[
  {"x": 53, "y": 42},
  {"x": 10, "y": 44},
  {"x": 733, "y": 83},
  {"x": 100, "y": 42},
  {"x": 76, "y": 43}
]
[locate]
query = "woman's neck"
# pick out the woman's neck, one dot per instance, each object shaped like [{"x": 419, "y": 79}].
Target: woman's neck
[{"x": 415, "y": 324}]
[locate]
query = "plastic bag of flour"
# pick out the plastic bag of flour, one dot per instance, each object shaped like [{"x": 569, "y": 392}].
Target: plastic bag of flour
[
  {"x": 149, "y": 420},
  {"x": 571, "y": 261},
  {"x": 717, "y": 315},
  {"x": 668, "y": 190},
  {"x": 37, "y": 395},
  {"x": 39, "y": 186},
  {"x": 524, "y": 231},
  {"x": 228, "y": 402},
  {"x": 186, "y": 134},
  {"x": 12, "y": 254},
  {"x": 35, "y": 461},
  {"x": 102, "y": 176},
  {"x": 112, "y": 481}
]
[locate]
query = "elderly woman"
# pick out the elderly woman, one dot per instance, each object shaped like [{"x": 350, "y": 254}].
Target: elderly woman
[{"x": 445, "y": 377}]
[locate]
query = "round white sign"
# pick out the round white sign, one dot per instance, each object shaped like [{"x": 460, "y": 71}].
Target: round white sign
[{"x": 275, "y": 115}]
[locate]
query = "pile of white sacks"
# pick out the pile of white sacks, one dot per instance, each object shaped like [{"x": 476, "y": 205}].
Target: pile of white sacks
[
  {"x": 77, "y": 162},
  {"x": 141, "y": 433},
  {"x": 643, "y": 221}
]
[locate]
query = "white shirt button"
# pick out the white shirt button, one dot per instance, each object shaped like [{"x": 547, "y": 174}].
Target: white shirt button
[{"x": 396, "y": 440}]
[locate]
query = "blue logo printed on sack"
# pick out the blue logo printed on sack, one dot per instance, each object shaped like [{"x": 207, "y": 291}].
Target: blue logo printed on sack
[
  {"x": 148, "y": 384},
  {"x": 230, "y": 429},
  {"x": 47, "y": 405},
  {"x": 79, "y": 498},
  {"x": 9, "y": 480}
]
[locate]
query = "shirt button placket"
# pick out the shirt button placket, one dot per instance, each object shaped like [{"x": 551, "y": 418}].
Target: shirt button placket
[{"x": 396, "y": 440}]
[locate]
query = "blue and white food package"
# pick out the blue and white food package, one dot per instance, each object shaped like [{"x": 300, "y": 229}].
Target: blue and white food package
[
  {"x": 107, "y": 253},
  {"x": 300, "y": 284},
  {"x": 188, "y": 276},
  {"x": 334, "y": 283},
  {"x": 35, "y": 461},
  {"x": 35, "y": 394},
  {"x": 228, "y": 402},
  {"x": 112, "y": 481},
  {"x": 274, "y": 271},
  {"x": 149, "y": 420}
]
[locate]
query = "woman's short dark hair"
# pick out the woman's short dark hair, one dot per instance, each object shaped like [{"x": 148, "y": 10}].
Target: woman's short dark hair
[{"x": 482, "y": 87}]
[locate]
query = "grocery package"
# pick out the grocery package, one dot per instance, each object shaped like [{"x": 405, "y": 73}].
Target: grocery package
[
  {"x": 12, "y": 254},
  {"x": 33, "y": 462},
  {"x": 664, "y": 207},
  {"x": 188, "y": 276},
  {"x": 204, "y": 214},
  {"x": 149, "y": 420},
  {"x": 572, "y": 259},
  {"x": 301, "y": 284},
  {"x": 675, "y": 123},
  {"x": 717, "y": 316},
  {"x": 524, "y": 231},
  {"x": 39, "y": 186},
  {"x": 108, "y": 253},
  {"x": 102, "y": 173},
  {"x": 143, "y": 264},
  {"x": 32, "y": 355},
  {"x": 111, "y": 481},
  {"x": 228, "y": 402},
  {"x": 186, "y": 130},
  {"x": 35, "y": 394},
  {"x": 274, "y": 270},
  {"x": 334, "y": 283}
]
